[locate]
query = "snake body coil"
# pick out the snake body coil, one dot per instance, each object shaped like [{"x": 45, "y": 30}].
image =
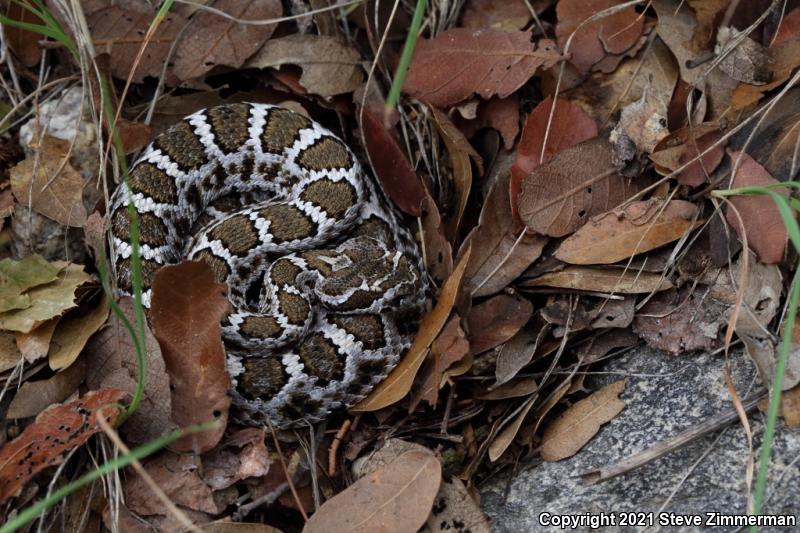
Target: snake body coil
[{"x": 326, "y": 283}]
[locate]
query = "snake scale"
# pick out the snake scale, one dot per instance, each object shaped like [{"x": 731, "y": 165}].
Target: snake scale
[{"x": 326, "y": 283}]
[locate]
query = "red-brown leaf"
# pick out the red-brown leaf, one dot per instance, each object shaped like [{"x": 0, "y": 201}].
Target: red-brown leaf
[
  {"x": 391, "y": 165},
  {"x": 766, "y": 233},
  {"x": 186, "y": 310},
  {"x": 462, "y": 62},
  {"x": 561, "y": 195},
  {"x": 57, "y": 430},
  {"x": 613, "y": 34},
  {"x": 569, "y": 126}
]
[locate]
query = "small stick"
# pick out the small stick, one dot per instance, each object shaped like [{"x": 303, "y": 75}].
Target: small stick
[
  {"x": 286, "y": 473},
  {"x": 334, "y": 447},
  {"x": 671, "y": 444}
]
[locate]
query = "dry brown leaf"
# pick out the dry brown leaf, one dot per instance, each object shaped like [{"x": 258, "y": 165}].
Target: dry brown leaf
[
  {"x": 580, "y": 422},
  {"x": 186, "y": 310},
  {"x": 178, "y": 476},
  {"x": 24, "y": 43},
  {"x": 55, "y": 432},
  {"x": 518, "y": 352},
  {"x": 112, "y": 362},
  {"x": 460, "y": 152},
  {"x": 450, "y": 347},
  {"x": 709, "y": 14},
  {"x": 397, "y": 498},
  {"x": 766, "y": 234},
  {"x": 638, "y": 227},
  {"x": 329, "y": 67},
  {"x": 35, "y": 344},
  {"x": 55, "y": 191},
  {"x": 676, "y": 23},
  {"x": 496, "y": 320},
  {"x": 559, "y": 196},
  {"x": 504, "y": 16},
  {"x": 569, "y": 126},
  {"x": 461, "y": 62},
  {"x": 72, "y": 333},
  {"x": 399, "y": 381},
  {"x": 501, "y": 114},
  {"x": 119, "y": 32},
  {"x": 33, "y": 397},
  {"x": 682, "y": 321},
  {"x": 614, "y": 34},
  {"x": 685, "y": 144},
  {"x": 239, "y": 456},
  {"x": 500, "y": 251},
  {"x": 455, "y": 510},
  {"x": 10, "y": 355},
  {"x": 438, "y": 250},
  {"x": 213, "y": 41},
  {"x": 602, "y": 280},
  {"x": 390, "y": 163},
  {"x": 790, "y": 407}
]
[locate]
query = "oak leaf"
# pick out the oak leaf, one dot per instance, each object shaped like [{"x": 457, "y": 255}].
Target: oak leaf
[
  {"x": 638, "y": 227},
  {"x": 605, "y": 280},
  {"x": 580, "y": 422},
  {"x": 568, "y": 126},
  {"x": 766, "y": 233},
  {"x": 397, "y": 497},
  {"x": 561, "y": 195},
  {"x": 461, "y": 62},
  {"x": 186, "y": 310},
  {"x": 329, "y": 67}
]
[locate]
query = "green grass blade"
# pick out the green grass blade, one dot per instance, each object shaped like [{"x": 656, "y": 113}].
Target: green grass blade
[{"x": 405, "y": 57}]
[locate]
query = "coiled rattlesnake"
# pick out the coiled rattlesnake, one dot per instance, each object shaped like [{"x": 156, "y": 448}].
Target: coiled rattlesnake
[{"x": 326, "y": 283}]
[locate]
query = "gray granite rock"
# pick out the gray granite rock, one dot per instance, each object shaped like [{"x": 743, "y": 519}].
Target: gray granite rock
[{"x": 664, "y": 395}]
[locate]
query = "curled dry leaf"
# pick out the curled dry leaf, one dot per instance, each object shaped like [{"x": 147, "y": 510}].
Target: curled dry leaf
[
  {"x": 48, "y": 300},
  {"x": 580, "y": 422},
  {"x": 438, "y": 250},
  {"x": 51, "y": 186},
  {"x": 119, "y": 32},
  {"x": 399, "y": 381},
  {"x": 450, "y": 347},
  {"x": 55, "y": 432},
  {"x": 329, "y": 67},
  {"x": 579, "y": 182},
  {"x": 496, "y": 320},
  {"x": 390, "y": 163},
  {"x": 602, "y": 280},
  {"x": 397, "y": 497},
  {"x": 461, "y": 62},
  {"x": 213, "y": 41},
  {"x": 186, "y": 311},
  {"x": 460, "y": 152},
  {"x": 638, "y": 227},
  {"x": 614, "y": 34},
  {"x": 766, "y": 234},
  {"x": 569, "y": 126},
  {"x": 112, "y": 362},
  {"x": 502, "y": 248}
]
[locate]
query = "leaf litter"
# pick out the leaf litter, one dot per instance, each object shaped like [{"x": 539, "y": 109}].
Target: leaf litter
[{"x": 559, "y": 170}]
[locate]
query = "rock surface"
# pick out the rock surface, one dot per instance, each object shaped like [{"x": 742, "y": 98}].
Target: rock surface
[{"x": 664, "y": 395}]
